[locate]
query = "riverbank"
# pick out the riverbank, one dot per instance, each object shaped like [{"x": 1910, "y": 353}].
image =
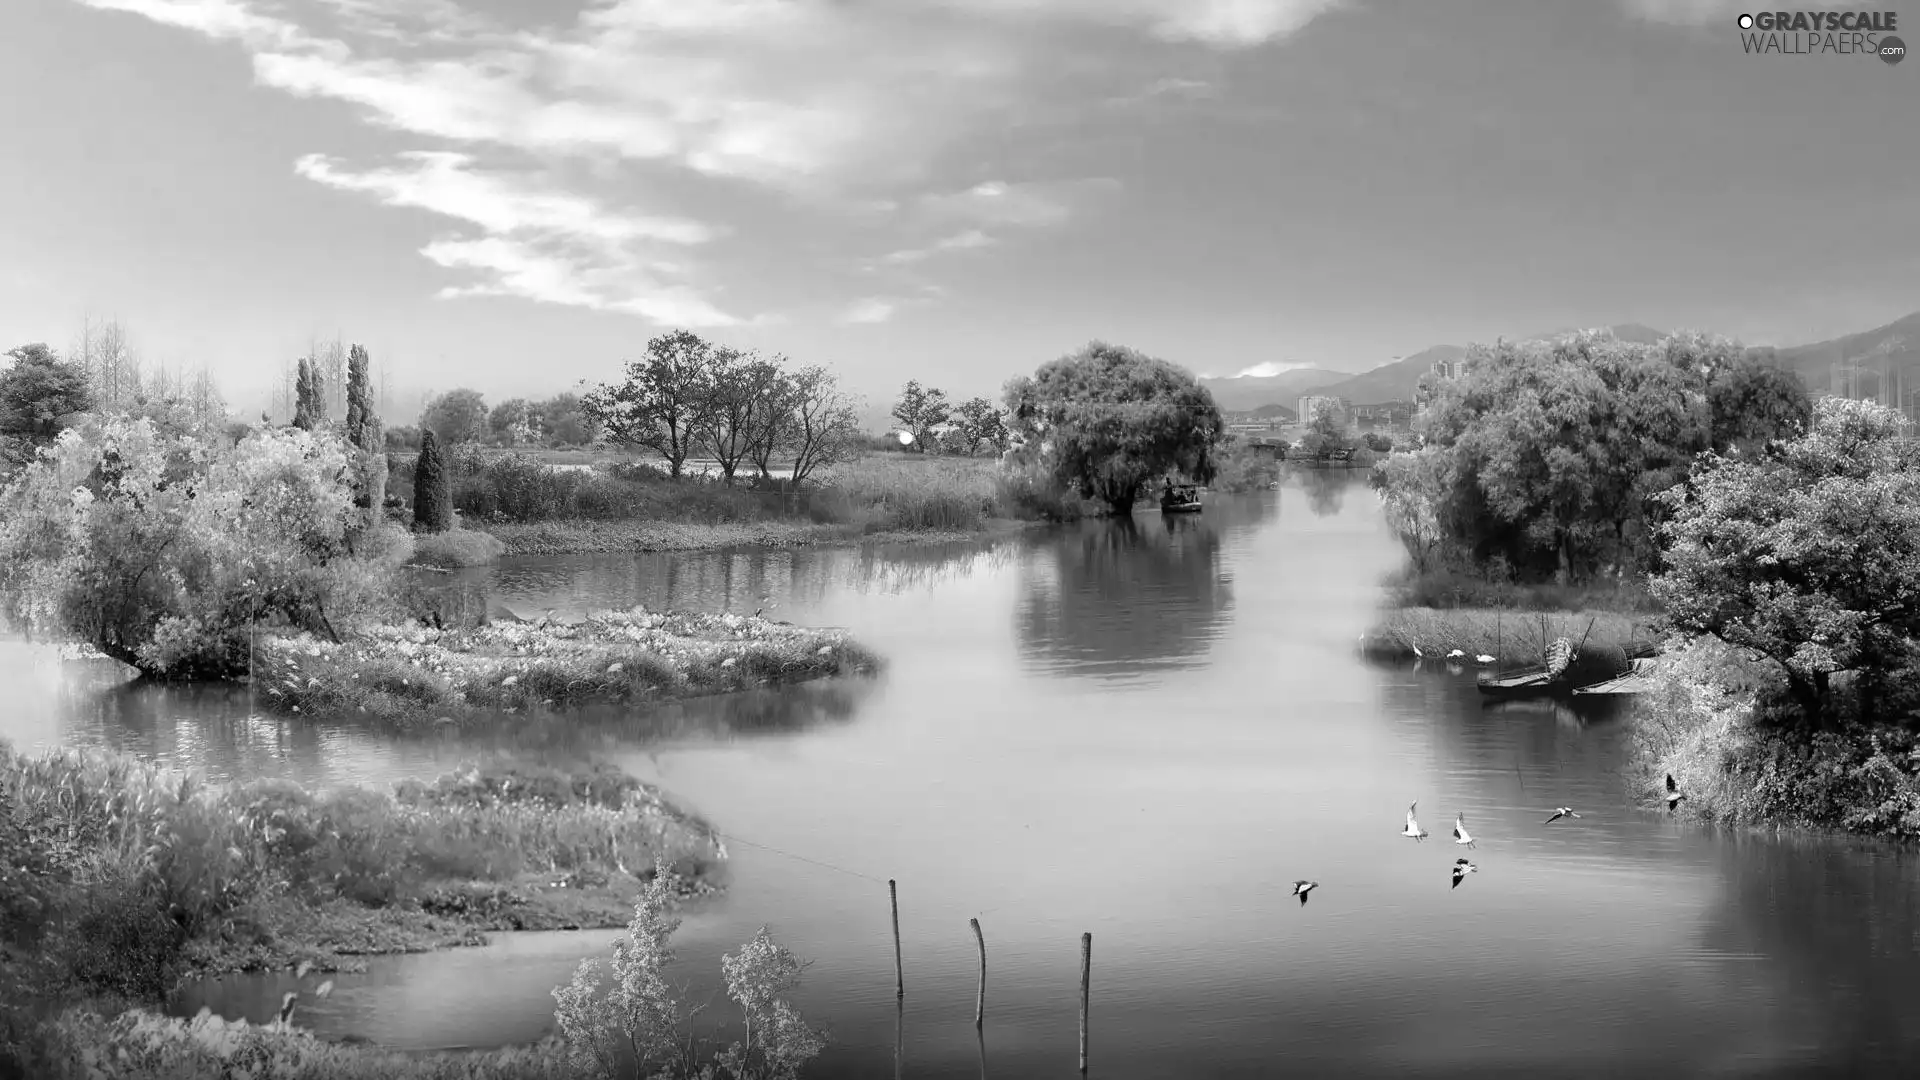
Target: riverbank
[
  {"x": 1607, "y": 640},
  {"x": 582, "y": 536},
  {"x": 409, "y": 676}
]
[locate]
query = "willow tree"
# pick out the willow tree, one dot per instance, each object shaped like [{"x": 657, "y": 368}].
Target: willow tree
[{"x": 1109, "y": 420}]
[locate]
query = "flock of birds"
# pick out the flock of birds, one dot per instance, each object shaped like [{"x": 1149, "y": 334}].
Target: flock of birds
[{"x": 1461, "y": 866}]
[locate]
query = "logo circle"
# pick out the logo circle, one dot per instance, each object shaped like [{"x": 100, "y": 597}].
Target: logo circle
[
  {"x": 1892, "y": 50},
  {"x": 1746, "y": 22}
]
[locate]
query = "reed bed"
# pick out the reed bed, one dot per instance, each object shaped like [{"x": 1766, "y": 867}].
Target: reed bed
[{"x": 409, "y": 676}]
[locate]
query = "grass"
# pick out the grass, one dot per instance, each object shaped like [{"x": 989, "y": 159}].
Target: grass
[
  {"x": 1513, "y": 639},
  {"x": 1452, "y": 589},
  {"x": 119, "y": 878},
  {"x": 408, "y": 676},
  {"x": 457, "y": 548}
]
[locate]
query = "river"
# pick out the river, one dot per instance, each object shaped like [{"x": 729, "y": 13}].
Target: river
[{"x": 1146, "y": 733}]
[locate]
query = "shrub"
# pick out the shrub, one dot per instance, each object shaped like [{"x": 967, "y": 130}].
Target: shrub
[{"x": 432, "y": 488}]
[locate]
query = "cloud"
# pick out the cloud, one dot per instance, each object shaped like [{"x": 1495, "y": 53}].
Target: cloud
[
  {"x": 807, "y": 105},
  {"x": 963, "y": 241},
  {"x": 873, "y": 309},
  {"x": 1707, "y": 12},
  {"x": 1266, "y": 370}
]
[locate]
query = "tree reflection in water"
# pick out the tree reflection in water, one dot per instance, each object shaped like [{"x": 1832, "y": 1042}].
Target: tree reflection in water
[
  {"x": 1113, "y": 598},
  {"x": 1326, "y": 488}
]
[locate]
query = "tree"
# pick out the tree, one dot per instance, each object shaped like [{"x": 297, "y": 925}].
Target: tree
[
  {"x": 981, "y": 423},
  {"x": 1807, "y": 555},
  {"x": 310, "y": 406},
  {"x": 164, "y": 551},
  {"x": 1108, "y": 420},
  {"x": 455, "y": 417},
  {"x": 739, "y": 388},
  {"x": 113, "y": 368},
  {"x": 41, "y": 395},
  {"x": 824, "y": 427},
  {"x": 432, "y": 487},
  {"x": 660, "y": 404},
  {"x": 919, "y": 410},
  {"x": 1327, "y": 431},
  {"x": 363, "y": 424},
  {"x": 564, "y": 421}
]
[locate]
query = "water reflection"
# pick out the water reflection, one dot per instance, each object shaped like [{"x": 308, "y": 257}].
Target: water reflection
[
  {"x": 1124, "y": 598},
  {"x": 1326, "y": 488}
]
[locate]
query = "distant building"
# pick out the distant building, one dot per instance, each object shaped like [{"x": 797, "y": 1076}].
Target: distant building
[
  {"x": 1313, "y": 403},
  {"x": 1447, "y": 369}
]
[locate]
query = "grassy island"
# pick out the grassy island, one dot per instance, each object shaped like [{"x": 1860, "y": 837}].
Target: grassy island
[{"x": 412, "y": 675}]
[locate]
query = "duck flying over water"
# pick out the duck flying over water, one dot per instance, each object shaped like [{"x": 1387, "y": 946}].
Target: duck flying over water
[
  {"x": 1460, "y": 831},
  {"x": 1674, "y": 794},
  {"x": 1461, "y": 868},
  {"x": 1560, "y": 812},
  {"x": 1413, "y": 828},
  {"x": 1302, "y": 887}
]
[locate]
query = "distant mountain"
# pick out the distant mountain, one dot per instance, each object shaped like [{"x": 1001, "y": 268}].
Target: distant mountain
[
  {"x": 1630, "y": 332},
  {"x": 1244, "y": 393},
  {"x": 1394, "y": 381},
  {"x": 1853, "y": 365}
]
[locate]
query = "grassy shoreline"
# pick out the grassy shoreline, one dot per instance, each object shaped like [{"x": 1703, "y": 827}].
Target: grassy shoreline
[
  {"x": 1514, "y": 638},
  {"x": 582, "y": 536},
  {"x": 409, "y": 676}
]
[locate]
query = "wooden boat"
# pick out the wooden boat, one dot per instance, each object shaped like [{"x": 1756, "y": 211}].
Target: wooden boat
[
  {"x": 1180, "y": 499},
  {"x": 1535, "y": 682}
]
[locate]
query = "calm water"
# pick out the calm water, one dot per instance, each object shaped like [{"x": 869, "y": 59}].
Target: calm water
[{"x": 1146, "y": 733}]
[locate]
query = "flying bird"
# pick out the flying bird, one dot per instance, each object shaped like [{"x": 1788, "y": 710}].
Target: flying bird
[
  {"x": 1460, "y": 831},
  {"x": 1674, "y": 794},
  {"x": 1560, "y": 812},
  {"x": 1413, "y": 828},
  {"x": 1461, "y": 868},
  {"x": 1302, "y": 887}
]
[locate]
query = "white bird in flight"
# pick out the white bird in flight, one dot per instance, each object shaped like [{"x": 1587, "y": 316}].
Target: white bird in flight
[
  {"x": 1302, "y": 887},
  {"x": 1461, "y": 868},
  {"x": 1413, "y": 828},
  {"x": 1460, "y": 831},
  {"x": 1560, "y": 812},
  {"x": 1674, "y": 794}
]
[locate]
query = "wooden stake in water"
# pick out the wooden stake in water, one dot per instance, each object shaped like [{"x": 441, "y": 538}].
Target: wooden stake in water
[
  {"x": 1086, "y": 981},
  {"x": 980, "y": 1001},
  {"x": 899, "y": 967}
]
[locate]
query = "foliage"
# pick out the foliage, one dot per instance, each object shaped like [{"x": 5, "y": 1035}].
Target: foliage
[
  {"x": 401, "y": 440},
  {"x": 1328, "y": 431},
  {"x": 1240, "y": 467},
  {"x": 455, "y": 417},
  {"x": 363, "y": 424},
  {"x": 1547, "y": 455},
  {"x": 920, "y": 410},
  {"x": 164, "y": 553},
  {"x": 659, "y": 405},
  {"x": 513, "y": 422},
  {"x": 1808, "y": 554},
  {"x": 639, "y": 1021},
  {"x": 413, "y": 675},
  {"x": 310, "y": 401},
  {"x": 981, "y": 423},
  {"x": 41, "y": 395},
  {"x": 564, "y": 421},
  {"x": 432, "y": 487},
  {"x": 819, "y": 423},
  {"x": 457, "y": 548},
  {"x": 1108, "y": 420}
]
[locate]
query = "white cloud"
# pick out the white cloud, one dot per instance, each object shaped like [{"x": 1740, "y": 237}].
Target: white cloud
[
  {"x": 1707, "y": 12},
  {"x": 963, "y": 241},
  {"x": 873, "y": 309},
  {"x": 1266, "y": 370},
  {"x": 817, "y": 103}
]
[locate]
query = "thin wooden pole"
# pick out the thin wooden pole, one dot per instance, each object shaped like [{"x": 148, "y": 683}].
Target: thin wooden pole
[
  {"x": 899, "y": 966},
  {"x": 899, "y": 1036},
  {"x": 1086, "y": 981},
  {"x": 980, "y": 1001}
]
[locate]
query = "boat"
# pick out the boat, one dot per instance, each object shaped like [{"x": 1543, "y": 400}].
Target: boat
[
  {"x": 1546, "y": 680},
  {"x": 1180, "y": 499}
]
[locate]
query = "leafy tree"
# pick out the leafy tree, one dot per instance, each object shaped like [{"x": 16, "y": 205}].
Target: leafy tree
[
  {"x": 1109, "y": 420},
  {"x": 432, "y": 487},
  {"x": 401, "y": 440},
  {"x": 981, "y": 423},
  {"x": 1379, "y": 443},
  {"x": 363, "y": 425},
  {"x": 739, "y": 389},
  {"x": 1808, "y": 555},
  {"x": 1327, "y": 431},
  {"x": 823, "y": 427},
  {"x": 163, "y": 552},
  {"x": 310, "y": 401},
  {"x": 660, "y": 405},
  {"x": 564, "y": 421},
  {"x": 513, "y": 422},
  {"x": 920, "y": 410},
  {"x": 40, "y": 396},
  {"x": 455, "y": 417}
]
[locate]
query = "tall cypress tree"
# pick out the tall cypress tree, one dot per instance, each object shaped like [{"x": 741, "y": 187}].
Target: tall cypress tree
[
  {"x": 432, "y": 494},
  {"x": 304, "y": 416},
  {"x": 363, "y": 428}
]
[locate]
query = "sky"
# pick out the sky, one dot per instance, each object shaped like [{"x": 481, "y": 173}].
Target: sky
[{"x": 514, "y": 195}]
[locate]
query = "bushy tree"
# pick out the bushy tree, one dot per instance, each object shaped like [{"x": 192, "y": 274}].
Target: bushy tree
[
  {"x": 41, "y": 395},
  {"x": 1328, "y": 431},
  {"x": 1109, "y": 420},
  {"x": 514, "y": 422},
  {"x": 564, "y": 421},
  {"x": 661, "y": 403},
  {"x": 455, "y": 417},
  {"x": 980, "y": 423},
  {"x": 920, "y": 410},
  {"x": 1807, "y": 554},
  {"x": 163, "y": 552},
  {"x": 432, "y": 487}
]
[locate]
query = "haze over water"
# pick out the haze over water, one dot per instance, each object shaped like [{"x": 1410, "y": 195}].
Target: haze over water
[{"x": 1147, "y": 733}]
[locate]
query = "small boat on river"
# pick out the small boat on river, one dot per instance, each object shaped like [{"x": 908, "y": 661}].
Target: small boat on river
[
  {"x": 1180, "y": 499},
  {"x": 1547, "y": 680}
]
